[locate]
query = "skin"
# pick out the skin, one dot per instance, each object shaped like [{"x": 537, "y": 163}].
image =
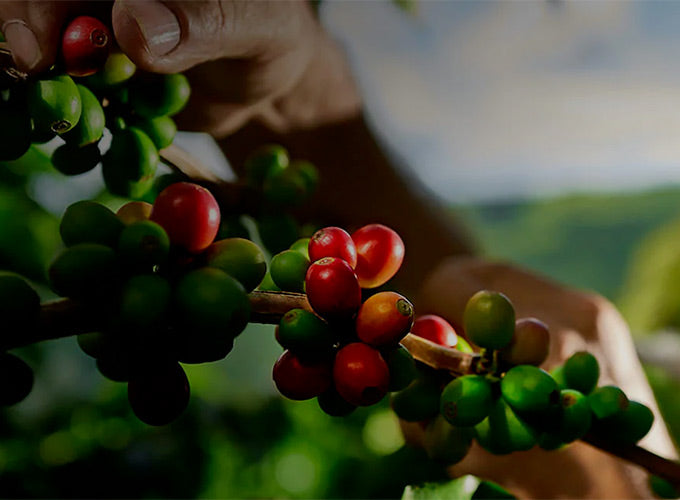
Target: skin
[{"x": 265, "y": 71}]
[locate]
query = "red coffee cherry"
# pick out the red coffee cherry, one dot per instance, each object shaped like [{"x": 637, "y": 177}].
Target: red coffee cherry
[
  {"x": 361, "y": 375},
  {"x": 529, "y": 344},
  {"x": 333, "y": 242},
  {"x": 332, "y": 288},
  {"x": 299, "y": 381},
  {"x": 436, "y": 329},
  {"x": 85, "y": 46},
  {"x": 380, "y": 252},
  {"x": 384, "y": 319},
  {"x": 189, "y": 214}
]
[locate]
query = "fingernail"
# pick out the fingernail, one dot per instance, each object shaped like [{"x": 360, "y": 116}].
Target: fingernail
[
  {"x": 158, "y": 25},
  {"x": 23, "y": 43}
]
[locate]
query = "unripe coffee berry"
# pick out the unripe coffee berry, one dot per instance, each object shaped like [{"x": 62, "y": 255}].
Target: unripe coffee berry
[{"x": 384, "y": 319}]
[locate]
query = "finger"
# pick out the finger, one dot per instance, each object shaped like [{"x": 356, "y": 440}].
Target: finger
[
  {"x": 170, "y": 37},
  {"x": 32, "y": 30}
]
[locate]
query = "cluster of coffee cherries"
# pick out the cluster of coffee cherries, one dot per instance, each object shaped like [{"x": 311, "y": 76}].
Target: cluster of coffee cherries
[
  {"x": 511, "y": 404},
  {"x": 89, "y": 90},
  {"x": 346, "y": 352},
  {"x": 165, "y": 291}
]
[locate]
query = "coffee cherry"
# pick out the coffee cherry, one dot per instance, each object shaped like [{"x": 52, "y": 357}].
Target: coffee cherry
[
  {"x": 402, "y": 367},
  {"x": 130, "y": 163},
  {"x": 301, "y": 246},
  {"x": 277, "y": 231},
  {"x": 267, "y": 284},
  {"x": 96, "y": 344},
  {"x": 575, "y": 418},
  {"x": 419, "y": 401},
  {"x": 231, "y": 226},
  {"x": 489, "y": 319},
  {"x": 300, "y": 380},
  {"x": 190, "y": 215},
  {"x": 54, "y": 104},
  {"x": 361, "y": 375},
  {"x": 84, "y": 271},
  {"x": 332, "y": 403},
  {"x": 445, "y": 443},
  {"x": 134, "y": 211},
  {"x": 263, "y": 162},
  {"x": 662, "y": 488},
  {"x": 144, "y": 245},
  {"x": 15, "y": 128},
  {"x": 466, "y": 400},
  {"x": 239, "y": 258},
  {"x": 333, "y": 242},
  {"x": 288, "y": 270},
  {"x": 628, "y": 426},
  {"x": 74, "y": 160},
  {"x": 161, "y": 130},
  {"x": 85, "y": 46},
  {"x": 90, "y": 127},
  {"x": 384, "y": 319},
  {"x": 332, "y": 288},
  {"x": 145, "y": 301},
  {"x": 607, "y": 401},
  {"x": 285, "y": 188},
  {"x": 528, "y": 388},
  {"x": 159, "y": 95},
  {"x": 380, "y": 252},
  {"x": 116, "y": 369},
  {"x": 504, "y": 431},
  {"x": 435, "y": 329},
  {"x": 159, "y": 393},
  {"x": 19, "y": 307},
  {"x": 302, "y": 332},
  {"x": 529, "y": 344},
  {"x": 581, "y": 372},
  {"x": 308, "y": 172},
  {"x": 16, "y": 379},
  {"x": 90, "y": 222}
]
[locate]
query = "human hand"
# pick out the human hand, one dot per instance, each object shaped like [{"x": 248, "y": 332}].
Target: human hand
[
  {"x": 266, "y": 60},
  {"x": 577, "y": 321}
]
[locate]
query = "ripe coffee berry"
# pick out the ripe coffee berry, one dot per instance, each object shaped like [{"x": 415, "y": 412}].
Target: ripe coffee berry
[
  {"x": 85, "y": 46},
  {"x": 299, "y": 381},
  {"x": 189, "y": 214},
  {"x": 332, "y": 288},
  {"x": 530, "y": 343},
  {"x": 380, "y": 252},
  {"x": 384, "y": 319},
  {"x": 361, "y": 375},
  {"x": 333, "y": 242},
  {"x": 435, "y": 329}
]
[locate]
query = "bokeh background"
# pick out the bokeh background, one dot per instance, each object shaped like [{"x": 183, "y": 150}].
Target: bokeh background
[{"x": 550, "y": 128}]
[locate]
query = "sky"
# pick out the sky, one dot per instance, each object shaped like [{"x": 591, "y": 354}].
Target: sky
[{"x": 495, "y": 100}]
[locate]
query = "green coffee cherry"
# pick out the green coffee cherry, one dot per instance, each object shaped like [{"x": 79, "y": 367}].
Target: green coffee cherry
[
  {"x": 54, "y": 104},
  {"x": 15, "y": 128},
  {"x": 84, "y": 271},
  {"x": 96, "y": 344},
  {"x": 528, "y": 388},
  {"x": 581, "y": 372},
  {"x": 302, "y": 246},
  {"x": 239, "y": 258},
  {"x": 419, "y": 401},
  {"x": 557, "y": 374},
  {"x": 504, "y": 431},
  {"x": 445, "y": 443},
  {"x": 265, "y": 161},
  {"x": 489, "y": 319},
  {"x": 331, "y": 403},
  {"x": 549, "y": 441},
  {"x": 402, "y": 368},
  {"x": 303, "y": 332},
  {"x": 117, "y": 70},
  {"x": 90, "y": 126},
  {"x": 607, "y": 401},
  {"x": 308, "y": 173},
  {"x": 466, "y": 400},
  {"x": 144, "y": 301},
  {"x": 19, "y": 307},
  {"x": 231, "y": 226},
  {"x": 90, "y": 222},
  {"x": 463, "y": 346},
  {"x": 159, "y": 95},
  {"x": 285, "y": 188},
  {"x": 288, "y": 270},
  {"x": 575, "y": 418},
  {"x": 213, "y": 308},
  {"x": 74, "y": 160},
  {"x": 130, "y": 164},
  {"x": 16, "y": 379},
  {"x": 267, "y": 284},
  {"x": 277, "y": 231},
  {"x": 144, "y": 245},
  {"x": 663, "y": 488},
  {"x": 628, "y": 426},
  {"x": 161, "y": 130}
]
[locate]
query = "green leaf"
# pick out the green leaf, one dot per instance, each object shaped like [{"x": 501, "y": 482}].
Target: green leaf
[{"x": 463, "y": 488}]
